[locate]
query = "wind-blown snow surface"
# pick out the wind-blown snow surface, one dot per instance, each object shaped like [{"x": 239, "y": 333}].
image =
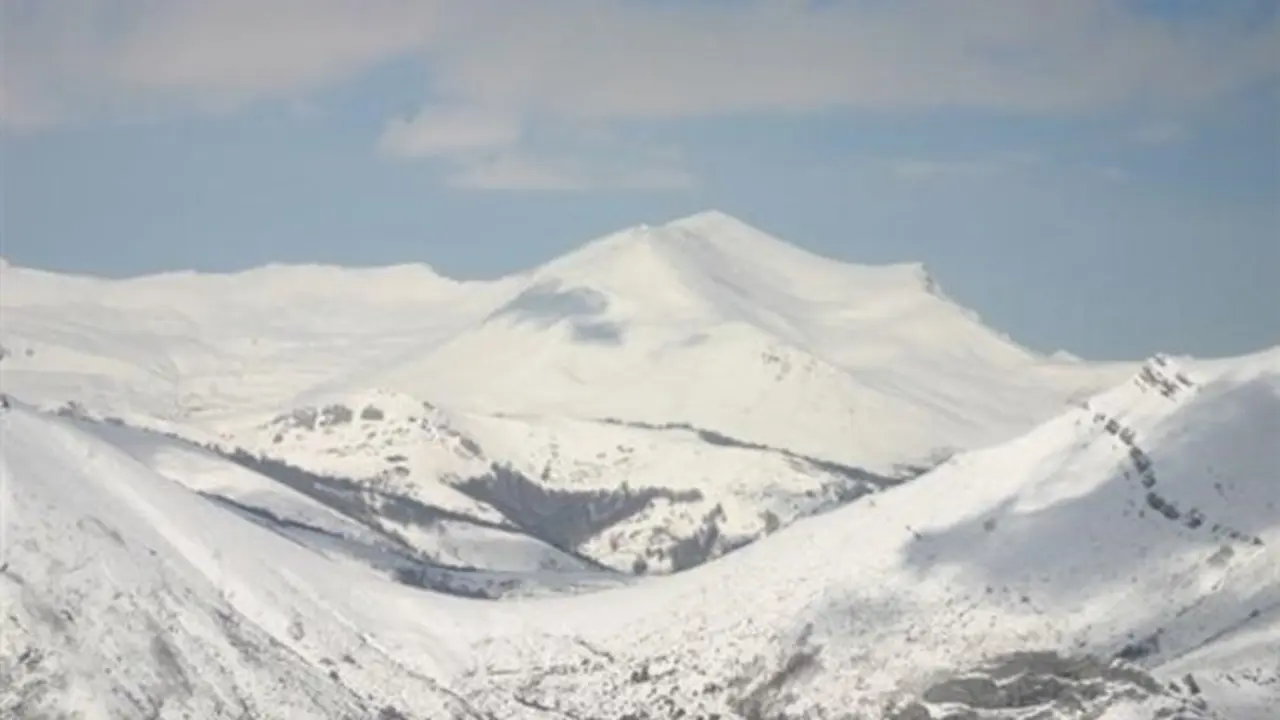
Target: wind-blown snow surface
[{"x": 1143, "y": 523}]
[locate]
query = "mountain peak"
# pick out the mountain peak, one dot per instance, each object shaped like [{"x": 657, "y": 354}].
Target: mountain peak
[
  {"x": 711, "y": 252},
  {"x": 709, "y": 220}
]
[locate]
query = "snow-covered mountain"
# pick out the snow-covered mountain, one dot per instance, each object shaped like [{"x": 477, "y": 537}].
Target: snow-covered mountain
[
  {"x": 661, "y": 395},
  {"x": 635, "y": 497},
  {"x": 704, "y": 321},
  {"x": 711, "y": 322},
  {"x": 1117, "y": 561}
]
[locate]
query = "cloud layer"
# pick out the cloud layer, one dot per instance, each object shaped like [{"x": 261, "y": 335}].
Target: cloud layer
[{"x": 497, "y": 67}]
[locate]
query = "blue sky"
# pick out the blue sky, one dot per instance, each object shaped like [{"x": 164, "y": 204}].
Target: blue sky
[{"x": 1097, "y": 176}]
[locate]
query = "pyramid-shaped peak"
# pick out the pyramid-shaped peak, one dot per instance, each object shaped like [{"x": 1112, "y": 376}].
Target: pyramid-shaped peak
[
  {"x": 705, "y": 225},
  {"x": 710, "y": 218},
  {"x": 714, "y": 253},
  {"x": 713, "y": 224},
  {"x": 706, "y": 236}
]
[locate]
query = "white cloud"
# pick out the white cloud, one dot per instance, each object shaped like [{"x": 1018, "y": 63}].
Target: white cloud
[
  {"x": 487, "y": 150},
  {"x": 1113, "y": 174},
  {"x": 1161, "y": 133},
  {"x": 67, "y": 59},
  {"x": 578, "y": 172},
  {"x": 516, "y": 172},
  {"x": 619, "y": 59},
  {"x": 930, "y": 169},
  {"x": 599, "y": 59},
  {"x": 497, "y": 69},
  {"x": 934, "y": 169},
  {"x": 442, "y": 131}
]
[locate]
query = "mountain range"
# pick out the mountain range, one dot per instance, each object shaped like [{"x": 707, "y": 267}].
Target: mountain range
[{"x": 687, "y": 470}]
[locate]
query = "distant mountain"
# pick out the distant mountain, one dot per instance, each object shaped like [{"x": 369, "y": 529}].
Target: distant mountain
[
  {"x": 1141, "y": 526},
  {"x": 713, "y": 323},
  {"x": 704, "y": 321},
  {"x": 1117, "y": 561},
  {"x": 639, "y": 498},
  {"x": 656, "y": 398}
]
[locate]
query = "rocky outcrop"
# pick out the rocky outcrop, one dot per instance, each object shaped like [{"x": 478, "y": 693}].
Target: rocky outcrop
[
  {"x": 1161, "y": 375},
  {"x": 1049, "y": 686}
]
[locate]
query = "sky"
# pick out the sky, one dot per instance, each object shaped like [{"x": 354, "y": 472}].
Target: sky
[{"x": 1098, "y": 176}]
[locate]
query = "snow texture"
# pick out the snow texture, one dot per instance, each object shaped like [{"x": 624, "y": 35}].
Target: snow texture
[{"x": 400, "y": 496}]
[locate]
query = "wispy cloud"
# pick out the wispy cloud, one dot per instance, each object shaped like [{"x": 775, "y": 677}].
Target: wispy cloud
[
  {"x": 942, "y": 169},
  {"x": 618, "y": 59},
  {"x": 496, "y": 67},
  {"x": 1113, "y": 173},
  {"x": 444, "y": 131},
  {"x": 576, "y": 171},
  {"x": 486, "y": 150},
  {"x": 516, "y": 172},
  {"x": 1165, "y": 132},
  {"x": 931, "y": 169},
  {"x": 71, "y": 59}
]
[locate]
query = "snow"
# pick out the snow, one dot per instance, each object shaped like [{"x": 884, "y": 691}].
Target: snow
[
  {"x": 703, "y": 323},
  {"x": 703, "y": 320},
  {"x": 136, "y": 592},
  {"x": 1080, "y": 508},
  {"x": 1047, "y": 541},
  {"x": 474, "y": 536},
  {"x": 204, "y": 472},
  {"x": 713, "y": 323},
  {"x": 185, "y": 346},
  {"x": 412, "y": 449},
  {"x": 1043, "y": 541}
]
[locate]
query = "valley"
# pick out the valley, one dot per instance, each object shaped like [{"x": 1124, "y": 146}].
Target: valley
[{"x": 684, "y": 471}]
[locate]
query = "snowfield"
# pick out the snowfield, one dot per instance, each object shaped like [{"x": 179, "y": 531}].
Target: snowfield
[
  {"x": 703, "y": 321},
  {"x": 629, "y": 495},
  {"x": 662, "y": 395},
  {"x": 688, "y": 471},
  {"x": 1140, "y": 525}
]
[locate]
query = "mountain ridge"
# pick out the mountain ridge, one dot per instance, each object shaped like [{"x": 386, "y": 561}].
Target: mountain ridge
[
  {"x": 1043, "y": 560},
  {"x": 703, "y": 323},
  {"x": 707, "y": 220}
]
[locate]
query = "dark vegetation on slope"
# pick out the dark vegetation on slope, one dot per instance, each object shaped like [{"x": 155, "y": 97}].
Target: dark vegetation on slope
[
  {"x": 564, "y": 519},
  {"x": 1048, "y": 685},
  {"x": 854, "y": 474},
  {"x": 567, "y": 519},
  {"x": 1039, "y": 684},
  {"x": 368, "y": 506}
]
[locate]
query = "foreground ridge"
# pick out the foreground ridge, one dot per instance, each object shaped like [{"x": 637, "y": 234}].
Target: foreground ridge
[{"x": 1033, "y": 576}]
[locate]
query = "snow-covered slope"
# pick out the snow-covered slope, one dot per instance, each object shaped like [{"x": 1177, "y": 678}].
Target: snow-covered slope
[
  {"x": 1142, "y": 523},
  {"x": 710, "y": 322},
  {"x": 128, "y": 595},
  {"x": 712, "y": 381},
  {"x": 433, "y": 532},
  {"x": 192, "y": 347},
  {"x": 704, "y": 321},
  {"x": 1153, "y": 537},
  {"x": 638, "y": 498}
]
